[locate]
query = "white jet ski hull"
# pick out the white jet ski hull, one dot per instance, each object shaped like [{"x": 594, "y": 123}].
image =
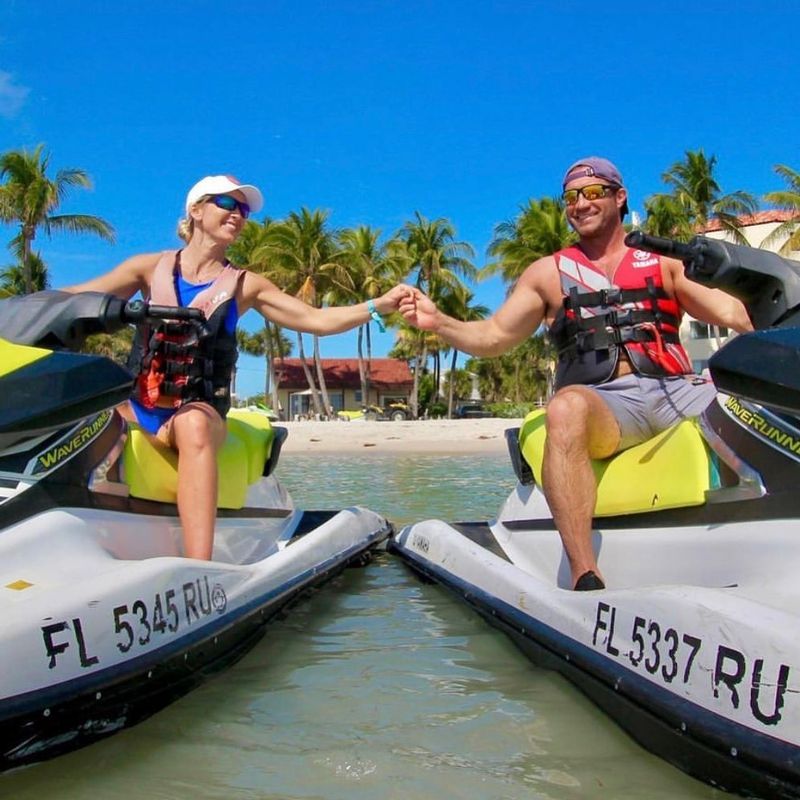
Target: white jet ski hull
[
  {"x": 705, "y": 674},
  {"x": 99, "y": 633}
]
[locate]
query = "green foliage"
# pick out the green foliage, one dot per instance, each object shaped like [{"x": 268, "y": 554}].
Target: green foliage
[
  {"x": 523, "y": 374},
  {"x": 258, "y": 401},
  {"x": 666, "y": 217},
  {"x": 788, "y": 232},
  {"x": 30, "y": 199},
  {"x": 695, "y": 200},
  {"x": 12, "y": 278},
  {"x": 512, "y": 410},
  {"x": 436, "y": 410},
  {"x": 371, "y": 266},
  {"x": 269, "y": 341},
  {"x": 299, "y": 254},
  {"x": 248, "y": 251},
  {"x": 116, "y": 346},
  {"x": 462, "y": 383},
  {"x": 539, "y": 230},
  {"x": 426, "y": 390},
  {"x": 435, "y": 255}
]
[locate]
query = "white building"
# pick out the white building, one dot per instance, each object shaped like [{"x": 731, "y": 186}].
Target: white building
[{"x": 702, "y": 340}]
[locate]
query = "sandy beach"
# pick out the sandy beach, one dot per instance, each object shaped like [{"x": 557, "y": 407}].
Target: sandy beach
[{"x": 441, "y": 437}]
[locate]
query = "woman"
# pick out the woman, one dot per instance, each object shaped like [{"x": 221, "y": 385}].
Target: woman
[{"x": 188, "y": 413}]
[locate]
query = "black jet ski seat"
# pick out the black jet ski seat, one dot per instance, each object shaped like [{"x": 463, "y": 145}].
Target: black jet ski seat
[
  {"x": 671, "y": 470},
  {"x": 151, "y": 469}
]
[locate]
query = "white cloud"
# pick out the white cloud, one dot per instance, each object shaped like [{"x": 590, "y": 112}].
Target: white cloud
[{"x": 12, "y": 95}]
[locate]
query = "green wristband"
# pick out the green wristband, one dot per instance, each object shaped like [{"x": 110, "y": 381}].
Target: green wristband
[{"x": 373, "y": 312}]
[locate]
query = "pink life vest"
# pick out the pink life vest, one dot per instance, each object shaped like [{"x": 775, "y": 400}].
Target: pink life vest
[{"x": 174, "y": 364}]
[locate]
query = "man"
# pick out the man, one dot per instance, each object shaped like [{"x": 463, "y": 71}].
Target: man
[{"x": 613, "y": 313}]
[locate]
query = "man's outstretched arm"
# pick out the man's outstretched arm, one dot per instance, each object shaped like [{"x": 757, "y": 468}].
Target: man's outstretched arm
[{"x": 516, "y": 320}]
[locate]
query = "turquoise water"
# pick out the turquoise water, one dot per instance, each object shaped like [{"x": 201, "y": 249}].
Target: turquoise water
[
  {"x": 404, "y": 488},
  {"x": 376, "y": 686}
]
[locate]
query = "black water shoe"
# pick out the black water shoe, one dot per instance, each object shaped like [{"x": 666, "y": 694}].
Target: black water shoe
[{"x": 588, "y": 582}]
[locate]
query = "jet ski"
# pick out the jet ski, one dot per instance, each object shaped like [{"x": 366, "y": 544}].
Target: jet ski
[
  {"x": 692, "y": 647},
  {"x": 104, "y": 621}
]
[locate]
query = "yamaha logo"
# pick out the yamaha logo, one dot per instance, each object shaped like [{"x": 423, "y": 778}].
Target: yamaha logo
[{"x": 641, "y": 259}]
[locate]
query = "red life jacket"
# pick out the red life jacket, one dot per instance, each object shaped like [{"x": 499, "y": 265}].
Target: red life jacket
[
  {"x": 598, "y": 317},
  {"x": 183, "y": 363}
]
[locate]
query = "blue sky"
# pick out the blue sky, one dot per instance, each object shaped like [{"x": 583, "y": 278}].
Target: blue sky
[{"x": 373, "y": 110}]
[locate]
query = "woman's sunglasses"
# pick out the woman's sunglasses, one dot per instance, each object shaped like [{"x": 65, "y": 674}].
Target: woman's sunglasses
[
  {"x": 228, "y": 203},
  {"x": 594, "y": 191}
]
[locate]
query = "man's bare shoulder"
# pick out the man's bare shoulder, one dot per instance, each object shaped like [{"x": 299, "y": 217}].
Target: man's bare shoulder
[
  {"x": 543, "y": 270},
  {"x": 542, "y": 277}
]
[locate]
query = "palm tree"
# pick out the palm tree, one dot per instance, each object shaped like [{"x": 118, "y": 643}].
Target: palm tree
[
  {"x": 538, "y": 230},
  {"x": 413, "y": 345},
  {"x": 521, "y": 373},
  {"x": 458, "y": 304},
  {"x": 531, "y": 367},
  {"x": 667, "y": 217},
  {"x": 12, "y": 278},
  {"x": 249, "y": 252},
  {"x": 272, "y": 343},
  {"x": 372, "y": 267},
  {"x": 697, "y": 192},
  {"x": 29, "y": 197},
  {"x": 788, "y": 233},
  {"x": 439, "y": 261},
  {"x": 435, "y": 254},
  {"x": 302, "y": 251}
]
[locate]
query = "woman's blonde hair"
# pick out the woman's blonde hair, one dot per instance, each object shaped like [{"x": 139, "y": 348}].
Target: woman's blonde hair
[
  {"x": 185, "y": 229},
  {"x": 186, "y": 225}
]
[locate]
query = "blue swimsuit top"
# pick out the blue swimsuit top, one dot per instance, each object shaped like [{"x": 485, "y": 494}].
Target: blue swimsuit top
[{"x": 186, "y": 292}]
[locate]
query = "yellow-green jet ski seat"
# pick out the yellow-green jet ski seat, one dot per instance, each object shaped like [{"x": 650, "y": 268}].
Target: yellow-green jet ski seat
[
  {"x": 151, "y": 469},
  {"x": 670, "y": 470}
]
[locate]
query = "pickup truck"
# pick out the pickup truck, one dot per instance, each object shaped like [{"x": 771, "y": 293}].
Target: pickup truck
[{"x": 471, "y": 410}]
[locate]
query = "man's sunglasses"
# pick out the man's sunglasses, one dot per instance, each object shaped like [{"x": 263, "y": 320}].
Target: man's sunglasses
[
  {"x": 594, "y": 191},
  {"x": 228, "y": 203}
]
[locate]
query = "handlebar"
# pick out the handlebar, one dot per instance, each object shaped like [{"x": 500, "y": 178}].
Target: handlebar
[
  {"x": 705, "y": 260},
  {"x": 63, "y": 320},
  {"x": 658, "y": 244},
  {"x": 137, "y": 311},
  {"x": 766, "y": 283}
]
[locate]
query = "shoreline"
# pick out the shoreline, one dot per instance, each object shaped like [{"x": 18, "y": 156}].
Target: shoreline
[{"x": 427, "y": 436}]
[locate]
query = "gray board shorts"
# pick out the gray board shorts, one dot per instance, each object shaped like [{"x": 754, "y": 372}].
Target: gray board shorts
[{"x": 645, "y": 406}]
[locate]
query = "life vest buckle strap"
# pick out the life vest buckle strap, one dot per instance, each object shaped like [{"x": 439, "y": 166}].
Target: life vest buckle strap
[
  {"x": 610, "y": 336},
  {"x": 596, "y": 339}
]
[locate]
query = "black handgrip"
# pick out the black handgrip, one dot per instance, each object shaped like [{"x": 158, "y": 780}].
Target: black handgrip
[
  {"x": 136, "y": 311},
  {"x": 176, "y": 312},
  {"x": 660, "y": 245}
]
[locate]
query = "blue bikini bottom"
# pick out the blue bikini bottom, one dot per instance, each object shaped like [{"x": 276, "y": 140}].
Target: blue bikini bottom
[{"x": 151, "y": 419}]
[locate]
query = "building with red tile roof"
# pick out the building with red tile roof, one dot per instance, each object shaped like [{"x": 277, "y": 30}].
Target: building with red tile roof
[
  {"x": 768, "y": 217},
  {"x": 390, "y": 379}
]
